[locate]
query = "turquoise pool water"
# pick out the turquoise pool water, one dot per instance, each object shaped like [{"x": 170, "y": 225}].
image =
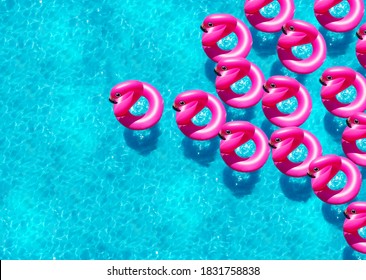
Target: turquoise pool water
[{"x": 74, "y": 184}]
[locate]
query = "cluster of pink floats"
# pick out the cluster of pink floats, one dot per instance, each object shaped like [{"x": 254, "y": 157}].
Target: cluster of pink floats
[{"x": 233, "y": 66}]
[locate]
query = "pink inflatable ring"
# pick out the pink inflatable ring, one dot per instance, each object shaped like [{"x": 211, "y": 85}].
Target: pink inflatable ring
[
  {"x": 361, "y": 45},
  {"x": 356, "y": 130},
  {"x": 280, "y": 88},
  {"x": 336, "y": 79},
  {"x": 124, "y": 95},
  {"x": 296, "y": 33},
  {"x": 229, "y": 71},
  {"x": 217, "y": 26},
  {"x": 284, "y": 141},
  {"x": 252, "y": 11},
  {"x": 355, "y": 220},
  {"x": 346, "y": 23},
  {"x": 236, "y": 133},
  {"x": 188, "y": 104},
  {"x": 323, "y": 169}
]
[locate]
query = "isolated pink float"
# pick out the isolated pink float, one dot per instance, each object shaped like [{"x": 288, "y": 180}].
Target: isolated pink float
[
  {"x": 188, "y": 104},
  {"x": 236, "y": 133},
  {"x": 361, "y": 45},
  {"x": 343, "y": 24},
  {"x": 124, "y": 95},
  {"x": 252, "y": 11},
  {"x": 296, "y": 33},
  {"x": 323, "y": 169},
  {"x": 355, "y": 220},
  {"x": 284, "y": 141},
  {"x": 218, "y": 26},
  {"x": 356, "y": 130},
  {"x": 336, "y": 79},
  {"x": 229, "y": 71},
  {"x": 280, "y": 88}
]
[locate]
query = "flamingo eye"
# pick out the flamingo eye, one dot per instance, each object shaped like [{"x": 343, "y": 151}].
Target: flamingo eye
[
  {"x": 272, "y": 85},
  {"x": 364, "y": 32},
  {"x": 316, "y": 169},
  {"x": 182, "y": 103},
  {"x": 228, "y": 131},
  {"x": 291, "y": 28},
  {"x": 356, "y": 121},
  {"x": 210, "y": 24},
  {"x": 118, "y": 94},
  {"x": 329, "y": 78},
  {"x": 223, "y": 68},
  {"x": 278, "y": 140},
  {"x": 353, "y": 211}
]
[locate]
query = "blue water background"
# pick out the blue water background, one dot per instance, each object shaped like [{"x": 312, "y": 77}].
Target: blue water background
[{"x": 75, "y": 184}]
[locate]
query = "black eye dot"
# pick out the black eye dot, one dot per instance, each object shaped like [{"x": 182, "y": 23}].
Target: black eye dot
[
  {"x": 356, "y": 121},
  {"x": 278, "y": 140},
  {"x": 210, "y": 24},
  {"x": 291, "y": 28},
  {"x": 364, "y": 32},
  {"x": 272, "y": 85},
  {"x": 329, "y": 78},
  {"x": 228, "y": 131},
  {"x": 353, "y": 211},
  {"x": 181, "y": 103},
  {"x": 316, "y": 169},
  {"x": 223, "y": 68},
  {"x": 118, "y": 94}
]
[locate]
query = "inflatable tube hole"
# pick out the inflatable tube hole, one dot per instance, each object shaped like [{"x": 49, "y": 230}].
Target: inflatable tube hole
[
  {"x": 229, "y": 42},
  {"x": 140, "y": 107},
  {"x": 287, "y": 106},
  {"x": 362, "y": 232},
  {"x": 347, "y": 96},
  {"x": 203, "y": 117},
  {"x": 361, "y": 144},
  {"x": 246, "y": 150},
  {"x": 338, "y": 182},
  {"x": 340, "y": 10},
  {"x": 299, "y": 154},
  {"x": 271, "y": 10},
  {"x": 302, "y": 51},
  {"x": 242, "y": 86}
]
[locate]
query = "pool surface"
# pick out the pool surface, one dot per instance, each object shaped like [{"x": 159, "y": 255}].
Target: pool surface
[{"x": 75, "y": 184}]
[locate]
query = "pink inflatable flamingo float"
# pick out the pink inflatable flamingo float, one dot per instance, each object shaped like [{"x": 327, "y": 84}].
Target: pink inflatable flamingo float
[
  {"x": 229, "y": 71},
  {"x": 355, "y": 220},
  {"x": 323, "y": 169},
  {"x": 218, "y": 26},
  {"x": 296, "y": 33},
  {"x": 336, "y": 79},
  {"x": 188, "y": 104},
  {"x": 236, "y": 133},
  {"x": 280, "y": 88},
  {"x": 252, "y": 11},
  {"x": 356, "y": 130},
  {"x": 361, "y": 45},
  {"x": 284, "y": 141},
  {"x": 125, "y": 95},
  {"x": 346, "y": 23}
]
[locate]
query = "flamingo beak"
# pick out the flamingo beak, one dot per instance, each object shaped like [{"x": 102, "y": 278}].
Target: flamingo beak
[
  {"x": 112, "y": 101},
  {"x": 348, "y": 123},
  {"x": 346, "y": 215},
  {"x": 359, "y": 35},
  {"x": 284, "y": 30},
  {"x": 322, "y": 82},
  {"x": 203, "y": 29},
  {"x": 175, "y": 108},
  {"x": 265, "y": 89},
  {"x": 221, "y": 136}
]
